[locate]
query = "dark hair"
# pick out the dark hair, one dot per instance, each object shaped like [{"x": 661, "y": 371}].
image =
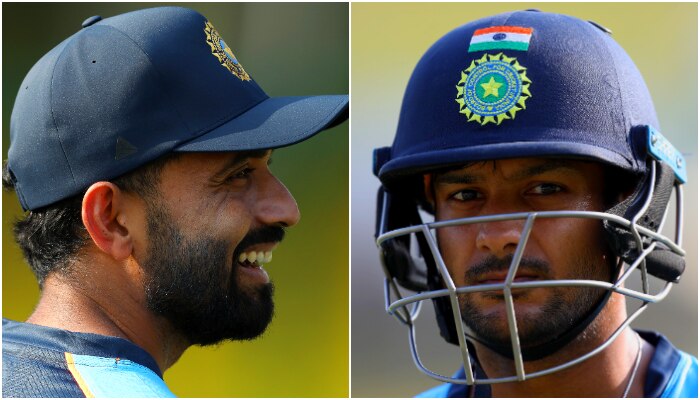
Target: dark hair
[{"x": 52, "y": 236}]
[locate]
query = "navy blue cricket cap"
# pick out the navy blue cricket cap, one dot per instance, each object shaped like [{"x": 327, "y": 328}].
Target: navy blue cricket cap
[
  {"x": 521, "y": 84},
  {"x": 127, "y": 89}
]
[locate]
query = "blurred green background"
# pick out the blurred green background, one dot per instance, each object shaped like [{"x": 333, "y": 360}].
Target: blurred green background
[
  {"x": 289, "y": 49},
  {"x": 387, "y": 41}
]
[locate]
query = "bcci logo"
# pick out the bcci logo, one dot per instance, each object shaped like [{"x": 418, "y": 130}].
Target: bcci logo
[
  {"x": 492, "y": 89},
  {"x": 223, "y": 53}
]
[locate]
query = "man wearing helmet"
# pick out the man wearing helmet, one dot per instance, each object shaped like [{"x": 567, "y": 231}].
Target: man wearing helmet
[{"x": 517, "y": 144}]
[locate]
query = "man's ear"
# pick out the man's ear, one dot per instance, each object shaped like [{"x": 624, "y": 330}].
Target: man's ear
[{"x": 103, "y": 214}]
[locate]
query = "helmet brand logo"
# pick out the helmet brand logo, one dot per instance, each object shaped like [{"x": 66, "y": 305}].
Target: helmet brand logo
[
  {"x": 493, "y": 88},
  {"x": 223, "y": 53}
]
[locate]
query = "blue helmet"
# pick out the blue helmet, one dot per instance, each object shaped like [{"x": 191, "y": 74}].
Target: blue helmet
[{"x": 524, "y": 84}]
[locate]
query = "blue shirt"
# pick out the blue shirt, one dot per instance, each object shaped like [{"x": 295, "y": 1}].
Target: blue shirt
[
  {"x": 672, "y": 373},
  {"x": 39, "y": 361}
]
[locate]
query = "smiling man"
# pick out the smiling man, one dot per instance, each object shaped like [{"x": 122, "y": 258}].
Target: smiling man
[
  {"x": 532, "y": 140},
  {"x": 140, "y": 149}
]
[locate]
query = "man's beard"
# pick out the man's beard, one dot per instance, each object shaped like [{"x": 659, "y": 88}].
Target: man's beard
[
  {"x": 564, "y": 306},
  {"x": 188, "y": 283}
]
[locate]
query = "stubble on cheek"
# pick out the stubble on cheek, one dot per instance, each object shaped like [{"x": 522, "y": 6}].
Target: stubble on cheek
[{"x": 541, "y": 314}]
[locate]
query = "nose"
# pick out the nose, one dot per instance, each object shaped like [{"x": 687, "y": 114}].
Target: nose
[
  {"x": 275, "y": 205},
  {"x": 499, "y": 238}
]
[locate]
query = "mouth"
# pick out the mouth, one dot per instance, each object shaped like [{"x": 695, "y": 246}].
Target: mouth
[
  {"x": 518, "y": 278},
  {"x": 251, "y": 261},
  {"x": 499, "y": 277},
  {"x": 492, "y": 270},
  {"x": 254, "y": 258},
  {"x": 253, "y": 251},
  {"x": 491, "y": 278}
]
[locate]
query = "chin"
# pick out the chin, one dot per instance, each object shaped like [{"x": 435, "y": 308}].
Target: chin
[{"x": 490, "y": 321}]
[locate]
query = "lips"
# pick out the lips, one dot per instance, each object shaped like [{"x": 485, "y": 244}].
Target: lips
[
  {"x": 255, "y": 256},
  {"x": 516, "y": 279},
  {"x": 251, "y": 261},
  {"x": 501, "y": 277}
]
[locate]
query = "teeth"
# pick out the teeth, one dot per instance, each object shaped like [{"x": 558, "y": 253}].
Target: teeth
[{"x": 258, "y": 257}]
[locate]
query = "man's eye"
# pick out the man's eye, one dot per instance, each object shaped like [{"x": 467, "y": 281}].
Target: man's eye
[
  {"x": 242, "y": 174},
  {"x": 546, "y": 188},
  {"x": 466, "y": 195}
]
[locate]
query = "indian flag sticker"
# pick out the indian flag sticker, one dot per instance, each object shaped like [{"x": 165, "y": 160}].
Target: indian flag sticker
[{"x": 501, "y": 38}]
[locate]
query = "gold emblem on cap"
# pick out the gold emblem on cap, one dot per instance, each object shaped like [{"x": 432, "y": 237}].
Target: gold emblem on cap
[
  {"x": 494, "y": 88},
  {"x": 223, "y": 53}
]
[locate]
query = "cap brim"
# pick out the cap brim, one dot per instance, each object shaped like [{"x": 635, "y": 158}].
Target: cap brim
[
  {"x": 275, "y": 122},
  {"x": 420, "y": 163}
]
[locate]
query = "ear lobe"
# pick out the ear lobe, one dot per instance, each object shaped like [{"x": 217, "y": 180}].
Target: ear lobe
[{"x": 102, "y": 213}]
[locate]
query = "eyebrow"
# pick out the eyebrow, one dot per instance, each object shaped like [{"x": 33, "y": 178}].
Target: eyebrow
[
  {"x": 465, "y": 177},
  {"x": 239, "y": 158}
]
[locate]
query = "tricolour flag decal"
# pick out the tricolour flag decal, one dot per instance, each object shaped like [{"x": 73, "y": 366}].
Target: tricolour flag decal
[{"x": 501, "y": 38}]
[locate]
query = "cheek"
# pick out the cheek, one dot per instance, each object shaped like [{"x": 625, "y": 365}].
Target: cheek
[
  {"x": 232, "y": 221},
  {"x": 456, "y": 246},
  {"x": 567, "y": 241},
  {"x": 574, "y": 232},
  {"x": 224, "y": 219}
]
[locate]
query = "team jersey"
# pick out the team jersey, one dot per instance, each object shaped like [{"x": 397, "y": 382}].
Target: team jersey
[
  {"x": 672, "y": 373},
  {"x": 39, "y": 361}
]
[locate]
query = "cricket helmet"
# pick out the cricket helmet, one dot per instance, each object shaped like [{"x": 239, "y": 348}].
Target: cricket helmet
[{"x": 515, "y": 85}]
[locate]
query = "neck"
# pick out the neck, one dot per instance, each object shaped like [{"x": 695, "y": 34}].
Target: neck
[
  {"x": 610, "y": 369},
  {"x": 109, "y": 306}
]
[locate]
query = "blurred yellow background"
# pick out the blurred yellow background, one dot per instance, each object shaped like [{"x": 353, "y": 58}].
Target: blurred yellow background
[
  {"x": 387, "y": 41},
  {"x": 289, "y": 49}
]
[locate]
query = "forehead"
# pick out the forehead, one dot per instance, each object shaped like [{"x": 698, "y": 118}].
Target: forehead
[{"x": 519, "y": 168}]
